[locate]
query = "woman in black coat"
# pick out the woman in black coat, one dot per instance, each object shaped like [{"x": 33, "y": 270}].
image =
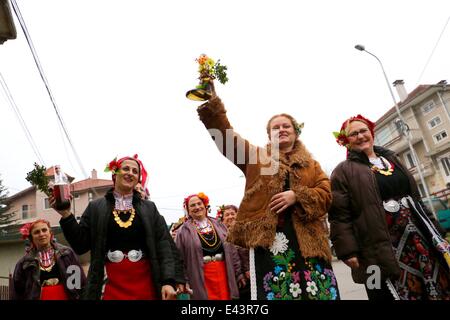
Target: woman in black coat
[
  {"x": 128, "y": 238},
  {"x": 379, "y": 226}
]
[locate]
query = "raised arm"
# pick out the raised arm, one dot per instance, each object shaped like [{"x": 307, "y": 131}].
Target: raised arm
[{"x": 231, "y": 144}]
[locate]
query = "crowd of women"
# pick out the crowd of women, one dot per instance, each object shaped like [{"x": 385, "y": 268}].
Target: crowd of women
[{"x": 274, "y": 246}]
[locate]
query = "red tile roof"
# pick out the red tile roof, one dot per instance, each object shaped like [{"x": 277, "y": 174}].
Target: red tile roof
[
  {"x": 91, "y": 184},
  {"x": 51, "y": 172}
]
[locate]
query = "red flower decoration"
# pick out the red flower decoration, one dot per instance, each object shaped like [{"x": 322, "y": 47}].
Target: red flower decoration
[
  {"x": 202, "y": 197},
  {"x": 25, "y": 230},
  {"x": 220, "y": 212},
  {"x": 113, "y": 166}
]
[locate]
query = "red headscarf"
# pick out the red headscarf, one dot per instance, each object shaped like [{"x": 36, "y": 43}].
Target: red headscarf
[
  {"x": 115, "y": 165},
  {"x": 201, "y": 196},
  {"x": 26, "y": 229},
  {"x": 342, "y": 136}
]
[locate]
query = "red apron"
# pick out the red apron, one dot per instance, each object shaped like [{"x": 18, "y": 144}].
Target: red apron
[
  {"x": 55, "y": 292},
  {"x": 216, "y": 280},
  {"x": 129, "y": 281}
]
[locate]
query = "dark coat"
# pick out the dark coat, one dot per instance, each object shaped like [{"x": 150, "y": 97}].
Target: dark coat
[
  {"x": 90, "y": 235},
  {"x": 357, "y": 217},
  {"x": 26, "y": 284}
]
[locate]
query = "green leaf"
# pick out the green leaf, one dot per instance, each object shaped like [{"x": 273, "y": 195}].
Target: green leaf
[
  {"x": 39, "y": 179},
  {"x": 279, "y": 260}
]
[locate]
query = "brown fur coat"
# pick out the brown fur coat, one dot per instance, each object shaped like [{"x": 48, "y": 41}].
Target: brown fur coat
[{"x": 255, "y": 223}]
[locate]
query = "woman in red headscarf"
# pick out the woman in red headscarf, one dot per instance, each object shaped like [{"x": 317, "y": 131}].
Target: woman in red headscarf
[
  {"x": 128, "y": 238},
  {"x": 379, "y": 226},
  {"x": 212, "y": 265},
  {"x": 48, "y": 271}
]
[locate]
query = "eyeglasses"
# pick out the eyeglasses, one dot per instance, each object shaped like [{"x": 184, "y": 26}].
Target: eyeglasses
[{"x": 354, "y": 134}]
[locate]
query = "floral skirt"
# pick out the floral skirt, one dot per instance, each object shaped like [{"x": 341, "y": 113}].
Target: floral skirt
[
  {"x": 282, "y": 273},
  {"x": 422, "y": 273}
]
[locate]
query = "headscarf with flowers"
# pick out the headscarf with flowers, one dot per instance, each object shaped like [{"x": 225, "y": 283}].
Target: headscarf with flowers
[
  {"x": 342, "y": 135},
  {"x": 201, "y": 196},
  {"x": 115, "y": 165},
  {"x": 220, "y": 212},
  {"x": 26, "y": 229}
]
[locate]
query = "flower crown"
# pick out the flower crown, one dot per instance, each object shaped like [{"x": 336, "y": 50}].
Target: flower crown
[
  {"x": 220, "y": 212},
  {"x": 342, "y": 138},
  {"x": 25, "y": 230},
  {"x": 113, "y": 166},
  {"x": 299, "y": 127},
  {"x": 202, "y": 197}
]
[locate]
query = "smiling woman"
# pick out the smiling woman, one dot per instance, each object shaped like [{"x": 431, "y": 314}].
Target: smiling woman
[
  {"x": 42, "y": 274},
  {"x": 128, "y": 239},
  {"x": 212, "y": 264},
  {"x": 377, "y": 219},
  {"x": 282, "y": 213}
]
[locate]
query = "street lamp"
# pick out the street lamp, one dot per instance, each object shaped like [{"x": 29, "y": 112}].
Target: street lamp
[{"x": 404, "y": 128}]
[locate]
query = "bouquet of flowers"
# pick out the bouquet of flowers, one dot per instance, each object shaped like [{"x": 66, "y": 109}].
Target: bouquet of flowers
[{"x": 208, "y": 70}]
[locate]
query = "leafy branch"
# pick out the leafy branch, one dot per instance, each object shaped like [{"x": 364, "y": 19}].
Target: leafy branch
[{"x": 39, "y": 179}]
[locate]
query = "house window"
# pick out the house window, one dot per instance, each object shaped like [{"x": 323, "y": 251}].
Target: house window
[
  {"x": 383, "y": 136},
  {"x": 46, "y": 204},
  {"x": 25, "y": 212},
  {"x": 428, "y": 107},
  {"x": 410, "y": 163},
  {"x": 421, "y": 190},
  {"x": 434, "y": 122},
  {"x": 446, "y": 165},
  {"x": 90, "y": 196},
  {"x": 440, "y": 136}
]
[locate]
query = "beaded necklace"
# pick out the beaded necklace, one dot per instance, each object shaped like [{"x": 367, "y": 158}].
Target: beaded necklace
[
  {"x": 46, "y": 259},
  {"x": 387, "y": 169}
]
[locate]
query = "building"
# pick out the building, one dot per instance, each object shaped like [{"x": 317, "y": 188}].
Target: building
[
  {"x": 31, "y": 204},
  {"x": 426, "y": 112}
]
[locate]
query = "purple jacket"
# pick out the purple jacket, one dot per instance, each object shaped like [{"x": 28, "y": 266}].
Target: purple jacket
[
  {"x": 190, "y": 248},
  {"x": 25, "y": 284}
]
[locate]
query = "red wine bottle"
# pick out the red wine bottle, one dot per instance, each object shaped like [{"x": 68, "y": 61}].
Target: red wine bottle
[{"x": 61, "y": 190}]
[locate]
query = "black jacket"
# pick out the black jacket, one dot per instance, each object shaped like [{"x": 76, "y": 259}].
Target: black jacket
[
  {"x": 357, "y": 217},
  {"x": 26, "y": 284},
  {"x": 90, "y": 234}
]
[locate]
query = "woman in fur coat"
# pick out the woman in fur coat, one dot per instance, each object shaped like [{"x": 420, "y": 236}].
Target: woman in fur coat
[{"x": 282, "y": 214}]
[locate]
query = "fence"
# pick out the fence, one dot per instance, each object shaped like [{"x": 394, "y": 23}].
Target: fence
[{"x": 4, "y": 288}]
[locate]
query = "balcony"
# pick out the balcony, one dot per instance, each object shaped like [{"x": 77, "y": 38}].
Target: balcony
[
  {"x": 427, "y": 170},
  {"x": 398, "y": 143}
]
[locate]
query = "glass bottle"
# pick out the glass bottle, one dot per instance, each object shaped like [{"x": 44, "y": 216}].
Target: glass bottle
[{"x": 61, "y": 189}]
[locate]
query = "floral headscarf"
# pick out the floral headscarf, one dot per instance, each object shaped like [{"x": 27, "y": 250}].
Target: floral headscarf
[
  {"x": 115, "y": 165},
  {"x": 342, "y": 135},
  {"x": 201, "y": 196},
  {"x": 26, "y": 229}
]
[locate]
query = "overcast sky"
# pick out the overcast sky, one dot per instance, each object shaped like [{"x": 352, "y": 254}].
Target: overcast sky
[{"x": 119, "y": 71}]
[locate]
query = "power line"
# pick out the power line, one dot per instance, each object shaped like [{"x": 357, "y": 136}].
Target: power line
[
  {"x": 432, "y": 52},
  {"x": 14, "y": 106},
  {"x": 44, "y": 79}
]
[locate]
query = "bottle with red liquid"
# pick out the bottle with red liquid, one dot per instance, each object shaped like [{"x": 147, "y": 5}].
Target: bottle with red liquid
[{"x": 61, "y": 189}]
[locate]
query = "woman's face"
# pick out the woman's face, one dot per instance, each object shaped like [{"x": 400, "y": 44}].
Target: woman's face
[
  {"x": 41, "y": 235},
  {"x": 281, "y": 128},
  {"x": 229, "y": 216},
  {"x": 359, "y": 137},
  {"x": 128, "y": 176},
  {"x": 196, "y": 208}
]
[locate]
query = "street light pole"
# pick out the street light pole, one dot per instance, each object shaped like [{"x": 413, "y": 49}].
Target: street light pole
[{"x": 404, "y": 129}]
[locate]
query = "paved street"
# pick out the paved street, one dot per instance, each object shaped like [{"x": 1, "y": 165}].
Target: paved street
[{"x": 348, "y": 289}]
